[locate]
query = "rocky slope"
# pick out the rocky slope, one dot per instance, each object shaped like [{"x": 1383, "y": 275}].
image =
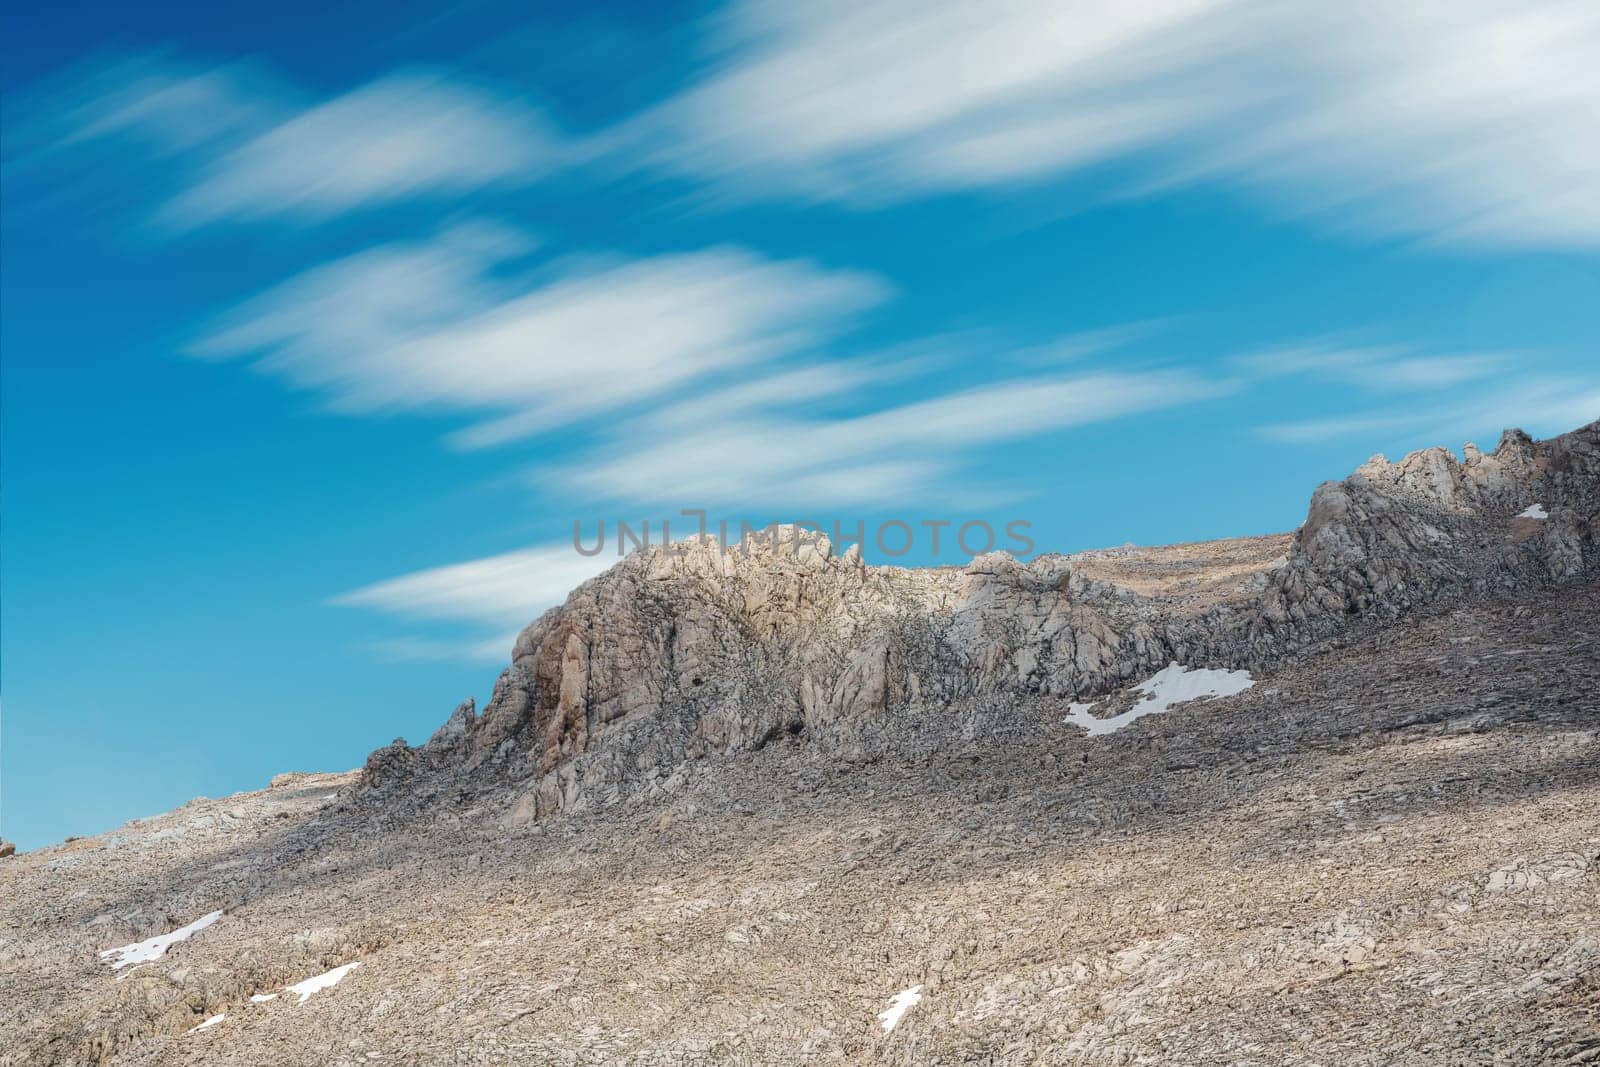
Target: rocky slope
[
  {"x": 680, "y": 652},
  {"x": 730, "y": 809}
]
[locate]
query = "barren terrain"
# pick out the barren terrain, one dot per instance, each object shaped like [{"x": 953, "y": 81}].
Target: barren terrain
[
  {"x": 778, "y": 806},
  {"x": 1385, "y": 852}
]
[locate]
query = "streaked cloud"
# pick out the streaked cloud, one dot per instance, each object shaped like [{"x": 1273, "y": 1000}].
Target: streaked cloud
[
  {"x": 166, "y": 105},
  {"x": 1472, "y": 122},
  {"x": 507, "y": 590},
  {"x": 402, "y": 135},
  {"x": 433, "y": 327},
  {"x": 795, "y": 439},
  {"x": 249, "y": 147},
  {"x": 1419, "y": 393},
  {"x": 495, "y": 597},
  {"x": 1379, "y": 368},
  {"x": 888, "y": 97},
  {"x": 761, "y": 457},
  {"x": 1540, "y": 403},
  {"x": 898, "y": 453},
  {"x": 495, "y": 651}
]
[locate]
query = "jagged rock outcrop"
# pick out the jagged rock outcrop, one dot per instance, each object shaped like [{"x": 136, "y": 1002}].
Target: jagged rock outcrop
[
  {"x": 1393, "y": 536},
  {"x": 456, "y": 727},
  {"x": 392, "y": 763},
  {"x": 697, "y": 648}
]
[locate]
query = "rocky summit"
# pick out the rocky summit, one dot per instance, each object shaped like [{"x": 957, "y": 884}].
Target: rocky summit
[{"x": 1323, "y": 797}]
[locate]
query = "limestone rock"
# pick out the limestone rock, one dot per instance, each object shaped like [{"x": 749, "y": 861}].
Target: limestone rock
[
  {"x": 696, "y": 649},
  {"x": 456, "y": 727},
  {"x": 391, "y": 763}
]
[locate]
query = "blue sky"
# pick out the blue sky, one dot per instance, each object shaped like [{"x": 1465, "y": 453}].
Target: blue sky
[{"x": 322, "y": 324}]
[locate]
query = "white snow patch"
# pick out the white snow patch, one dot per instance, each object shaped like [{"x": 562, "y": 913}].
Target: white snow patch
[
  {"x": 1533, "y": 511},
  {"x": 149, "y": 951},
  {"x": 1171, "y": 685},
  {"x": 262, "y": 998},
  {"x": 303, "y": 990},
  {"x": 903, "y": 1002},
  {"x": 214, "y": 1020}
]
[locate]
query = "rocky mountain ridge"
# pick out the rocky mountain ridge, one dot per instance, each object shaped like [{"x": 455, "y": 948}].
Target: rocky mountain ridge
[
  {"x": 676, "y": 653},
  {"x": 735, "y": 809}
]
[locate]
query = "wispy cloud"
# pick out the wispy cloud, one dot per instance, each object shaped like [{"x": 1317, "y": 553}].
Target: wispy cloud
[
  {"x": 1539, "y": 403},
  {"x": 431, "y": 327},
  {"x": 166, "y": 105},
  {"x": 898, "y": 453},
  {"x": 777, "y": 415},
  {"x": 478, "y": 650},
  {"x": 1378, "y": 368},
  {"x": 1421, "y": 394},
  {"x": 887, "y": 98},
  {"x": 402, "y": 135},
  {"x": 494, "y": 597},
  {"x": 248, "y": 147},
  {"x": 1472, "y": 121},
  {"x": 505, "y": 590},
  {"x": 737, "y": 447},
  {"x": 795, "y": 438}
]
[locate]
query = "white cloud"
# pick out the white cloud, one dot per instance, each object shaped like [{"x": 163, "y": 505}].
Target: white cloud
[
  {"x": 508, "y": 590},
  {"x": 1444, "y": 395},
  {"x": 170, "y": 108},
  {"x": 426, "y": 327},
  {"x": 495, "y": 597},
  {"x": 744, "y": 445},
  {"x": 1542, "y": 405},
  {"x": 898, "y": 453},
  {"x": 478, "y": 650},
  {"x": 1378, "y": 368},
  {"x": 777, "y": 439},
  {"x": 761, "y": 457},
  {"x": 251, "y": 148},
  {"x": 1473, "y": 121},
  {"x": 400, "y": 136}
]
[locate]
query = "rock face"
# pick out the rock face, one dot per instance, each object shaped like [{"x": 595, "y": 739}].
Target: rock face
[
  {"x": 680, "y": 652},
  {"x": 1395, "y": 536}
]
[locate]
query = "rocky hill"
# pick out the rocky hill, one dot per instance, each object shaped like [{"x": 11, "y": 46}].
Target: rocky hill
[
  {"x": 777, "y": 806},
  {"x": 698, "y": 648}
]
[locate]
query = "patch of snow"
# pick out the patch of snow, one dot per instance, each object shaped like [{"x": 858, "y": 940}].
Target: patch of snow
[
  {"x": 903, "y": 1002},
  {"x": 149, "y": 951},
  {"x": 262, "y": 998},
  {"x": 328, "y": 980},
  {"x": 214, "y": 1020},
  {"x": 1171, "y": 685},
  {"x": 1533, "y": 511}
]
